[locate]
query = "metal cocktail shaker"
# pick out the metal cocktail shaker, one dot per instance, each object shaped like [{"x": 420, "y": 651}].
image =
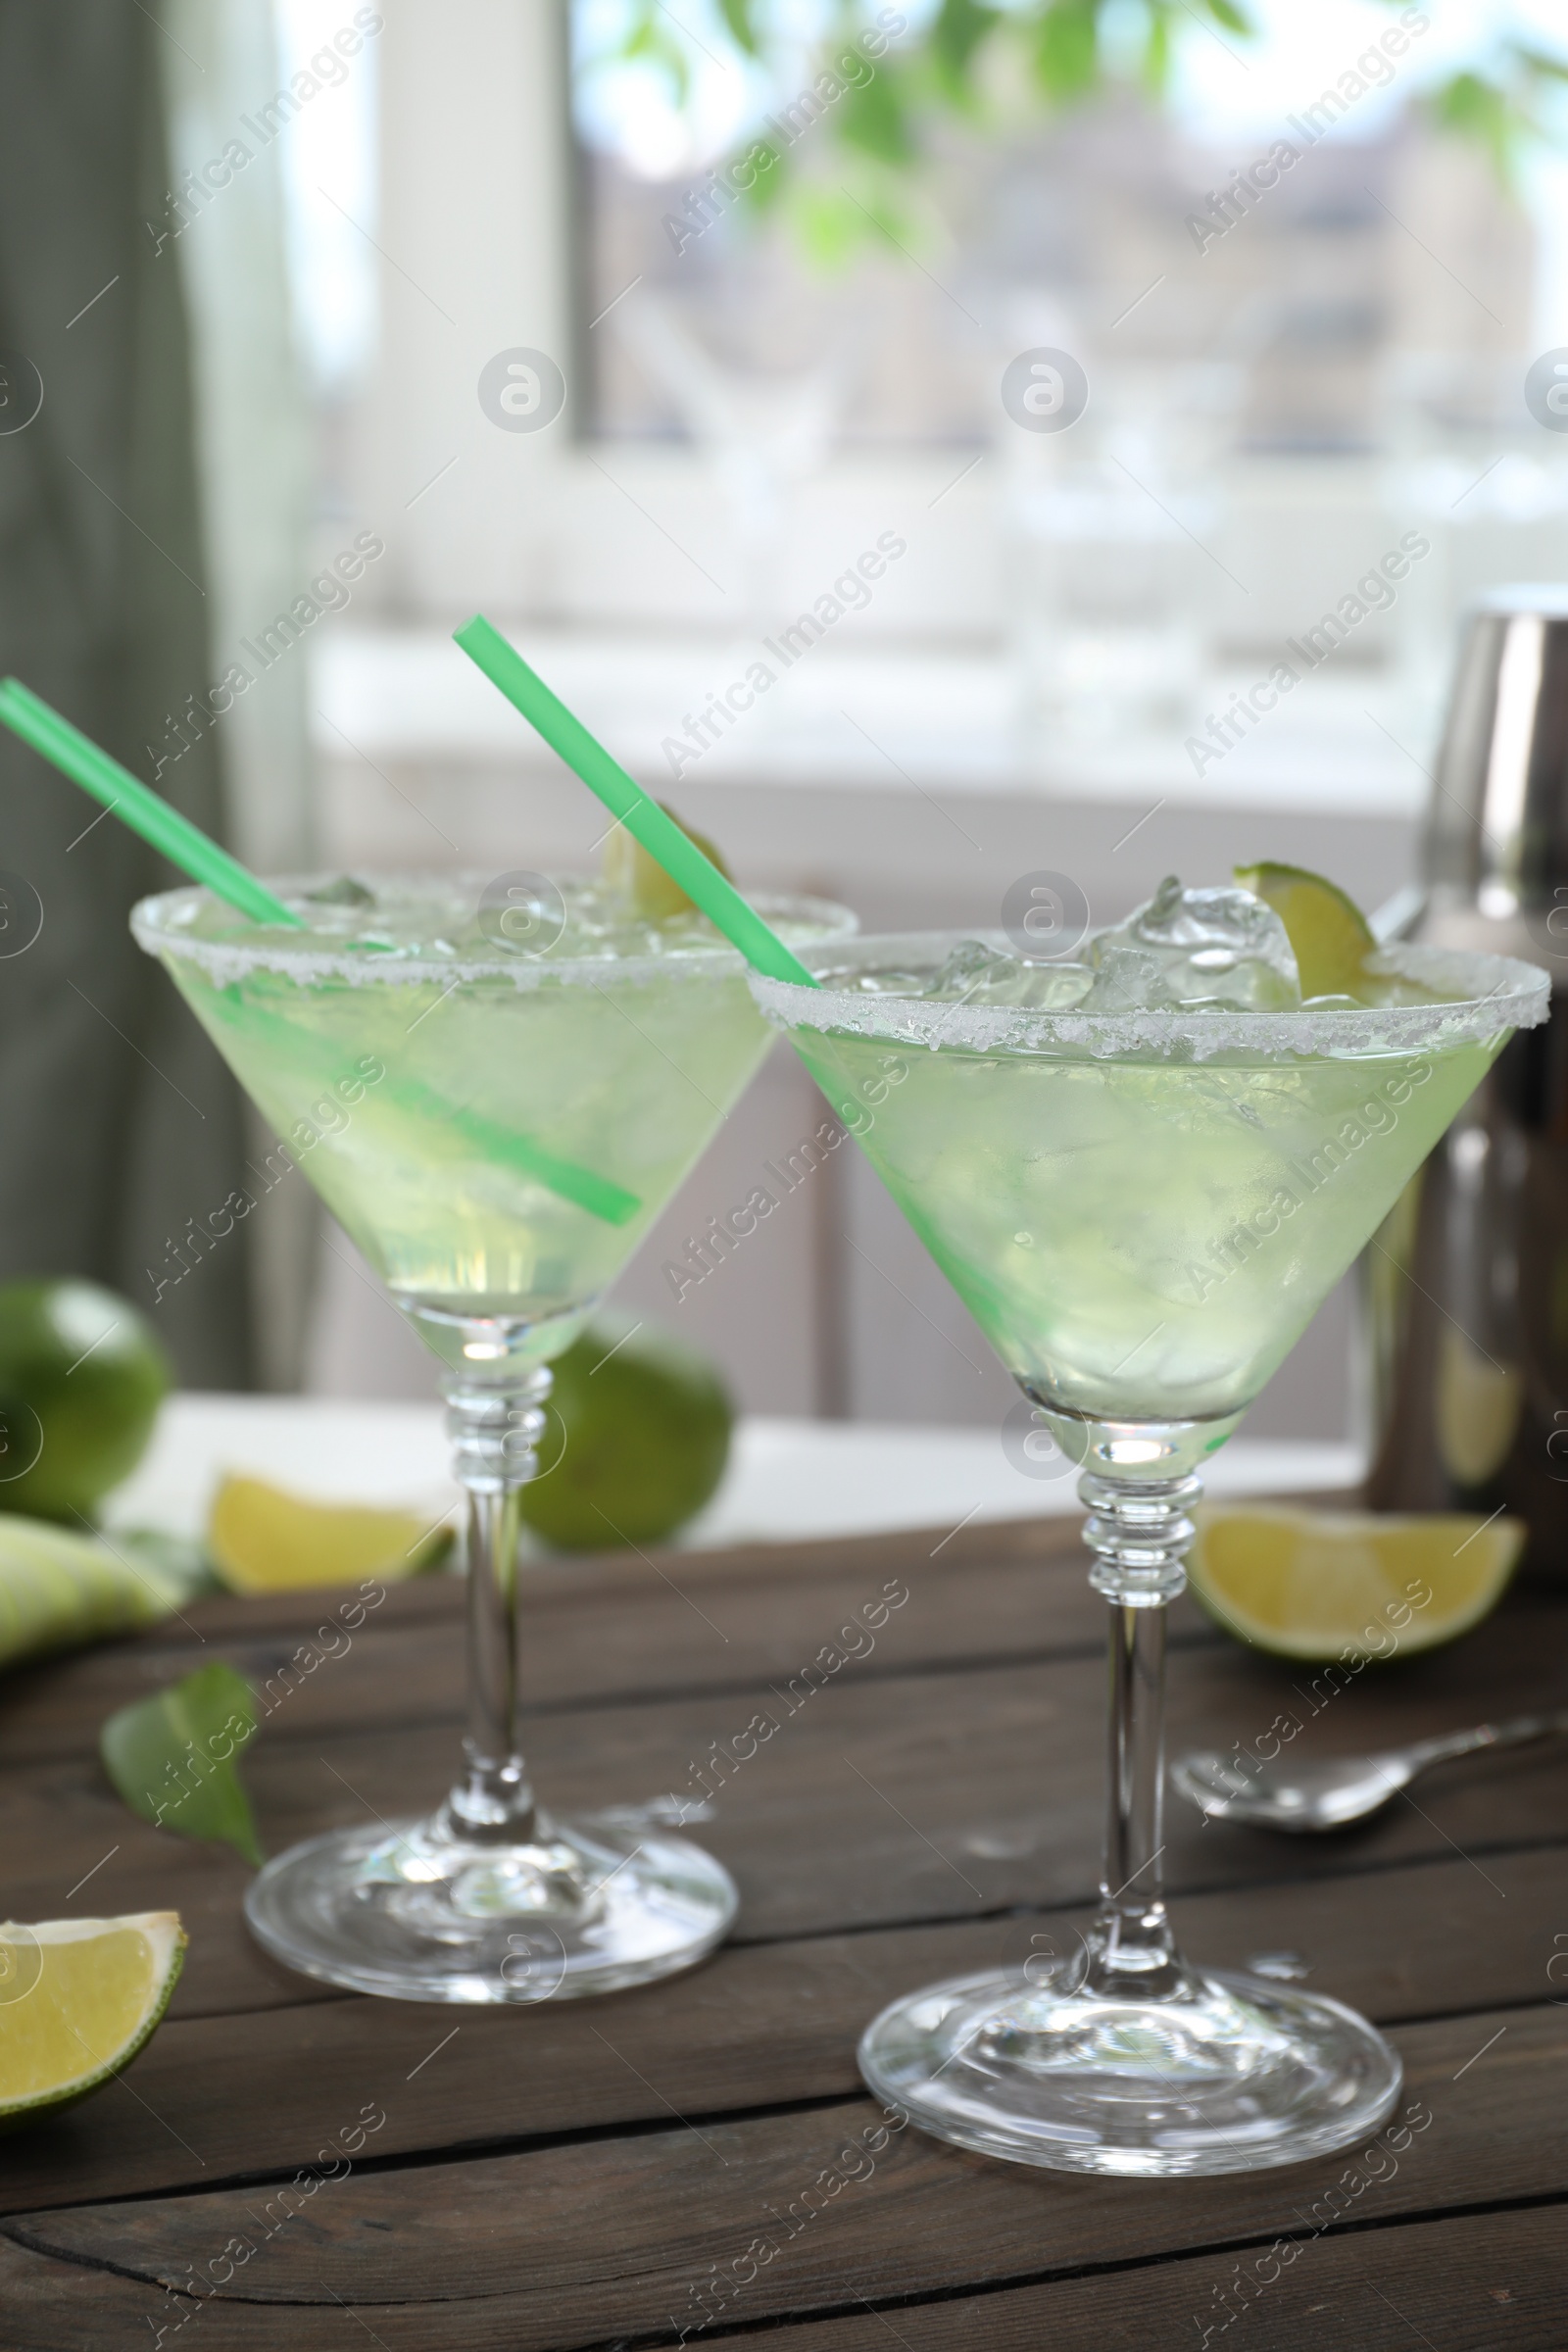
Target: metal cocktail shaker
[{"x": 1465, "y": 1288}]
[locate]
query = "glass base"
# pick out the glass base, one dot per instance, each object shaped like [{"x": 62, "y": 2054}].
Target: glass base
[
  {"x": 417, "y": 1913},
  {"x": 1230, "y": 2075}
]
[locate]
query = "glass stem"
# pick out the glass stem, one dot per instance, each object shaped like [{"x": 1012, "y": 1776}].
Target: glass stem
[
  {"x": 494, "y": 1427},
  {"x": 1139, "y": 1531}
]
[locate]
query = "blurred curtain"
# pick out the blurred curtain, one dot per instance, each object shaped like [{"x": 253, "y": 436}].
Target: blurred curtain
[
  {"x": 121, "y": 1133},
  {"x": 254, "y": 459}
]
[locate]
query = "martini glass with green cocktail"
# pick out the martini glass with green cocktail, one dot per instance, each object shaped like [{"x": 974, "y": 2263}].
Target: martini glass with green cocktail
[
  {"x": 495, "y": 1094},
  {"x": 496, "y": 1088},
  {"x": 1142, "y": 1169}
]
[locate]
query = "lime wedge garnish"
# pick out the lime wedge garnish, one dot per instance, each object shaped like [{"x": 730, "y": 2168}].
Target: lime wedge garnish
[
  {"x": 629, "y": 870},
  {"x": 1327, "y": 930},
  {"x": 264, "y": 1541},
  {"x": 78, "y": 1997},
  {"x": 1313, "y": 1584}
]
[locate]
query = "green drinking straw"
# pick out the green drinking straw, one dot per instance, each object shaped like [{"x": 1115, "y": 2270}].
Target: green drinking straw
[
  {"x": 186, "y": 845},
  {"x": 684, "y": 863},
  {"x": 144, "y": 811}
]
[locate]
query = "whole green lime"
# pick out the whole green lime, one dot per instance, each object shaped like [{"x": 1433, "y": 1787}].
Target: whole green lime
[
  {"x": 638, "y": 1436},
  {"x": 81, "y": 1378}
]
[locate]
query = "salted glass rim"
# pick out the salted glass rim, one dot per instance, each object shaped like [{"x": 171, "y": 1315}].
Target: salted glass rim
[
  {"x": 156, "y": 924},
  {"x": 1496, "y": 993}
]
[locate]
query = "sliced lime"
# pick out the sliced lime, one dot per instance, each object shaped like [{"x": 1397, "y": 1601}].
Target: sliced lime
[
  {"x": 629, "y": 870},
  {"x": 58, "y": 1589},
  {"x": 1314, "y": 1584},
  {"x": 264, "y": 1541},
  {"x": 78, "y": 1998},
  {"x": 1327, "y": 930}
]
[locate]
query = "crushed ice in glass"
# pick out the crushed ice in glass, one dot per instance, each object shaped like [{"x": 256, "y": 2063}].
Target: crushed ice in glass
[
  {"x": 449, "y": 922},
  {"x": 1191, "y": 948},
  {"x": 975, "y": 974},
  {"x": 1184, "y": 950}
]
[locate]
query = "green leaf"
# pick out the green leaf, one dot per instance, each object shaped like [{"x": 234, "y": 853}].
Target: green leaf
[
  {"x": 648, "y": 42},
  {"x": 1543, "y": 68},
  {"x": 173, "y": 1757},
  {"x": 875, "y": 119},
  {"x": 961, "y": 28},
  {"x": 1476, "y": 109},
  {"x": 737, "y": 15},
  {"x": 771, "y": 182},
  {"x": 1234, "y": 18},
  {"x": 1155, "y": 70},
  {"x": 178, "y": 1565},
  {"x": 1067, "y": 50},
  {"x": 831, "y": 227}
]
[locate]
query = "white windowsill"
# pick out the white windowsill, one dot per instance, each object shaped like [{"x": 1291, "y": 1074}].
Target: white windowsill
[{"x": 869, "y": 716}]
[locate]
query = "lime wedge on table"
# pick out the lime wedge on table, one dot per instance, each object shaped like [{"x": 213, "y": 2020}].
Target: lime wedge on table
[
  {"x": 629, "y": 870},
  {"x": 264, "y": 1541},
  {"x": 58, "y": 1589},
  {"x": 78, "y": 1997},
  {"x": 1327, "y": 930},
  {"x": 1315, "y": 1583}
]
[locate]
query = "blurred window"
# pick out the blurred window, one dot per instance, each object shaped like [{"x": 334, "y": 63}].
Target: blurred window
[{"x": 1118, "y": 231}]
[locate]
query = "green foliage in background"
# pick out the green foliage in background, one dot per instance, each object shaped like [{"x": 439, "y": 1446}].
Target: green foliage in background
[{"x": 992, "y": 67}]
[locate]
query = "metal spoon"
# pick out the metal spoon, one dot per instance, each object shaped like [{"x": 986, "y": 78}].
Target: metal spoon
[{"x": 1330, "y": 1796}]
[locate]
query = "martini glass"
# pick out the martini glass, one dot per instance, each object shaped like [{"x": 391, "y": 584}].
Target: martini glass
[
  {"x": 1143, "y": 1211},
  {"x": 495, "y": 1089}
]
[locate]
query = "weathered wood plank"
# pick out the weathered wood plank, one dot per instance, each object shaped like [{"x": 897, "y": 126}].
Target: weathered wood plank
[
  {"x": 953, "y": 1771},
  {"x": 785, "y": 2215},
  {"x": 884, "y": 1797},
  {"x": 756, "y": 2027},
  {"x": 919, "y": 1795},
  {"x": 611, "y": 1627},
  {"x": 1479, "y": 2284},
  {"x": 601, "y": 1633},
  {"x": 1485, "y": 2282}
]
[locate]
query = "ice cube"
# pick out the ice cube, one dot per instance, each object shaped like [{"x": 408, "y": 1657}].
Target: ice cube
[
  {"x": 876, "y": 984},
  {"x": 1187, "y": 949},
  {"x": 975, "y": 974},
  {"x": 965, "y": 967}
]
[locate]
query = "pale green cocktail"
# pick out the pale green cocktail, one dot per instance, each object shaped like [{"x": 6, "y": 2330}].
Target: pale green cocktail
[
  {"x": 1142, "y": 1172},
  {"x": 496, "y": 1088},
  {"x": 1137, "y": 1239},
  {"x": 497, "y": 1131}
]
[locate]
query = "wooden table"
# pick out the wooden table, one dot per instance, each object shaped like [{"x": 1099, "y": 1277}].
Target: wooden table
[{"x": 607, "y": 2171}]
